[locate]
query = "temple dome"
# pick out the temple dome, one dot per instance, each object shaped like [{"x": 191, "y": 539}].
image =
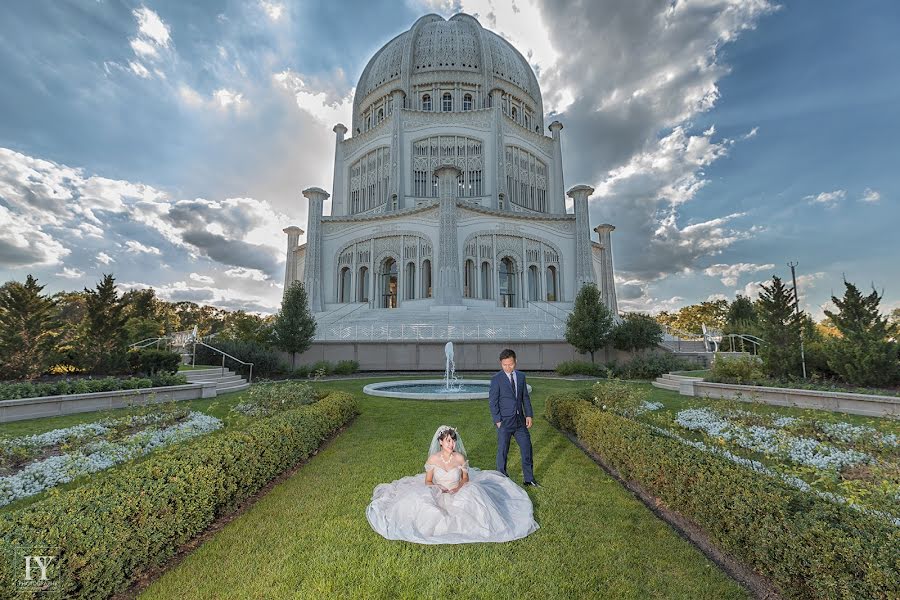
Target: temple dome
[{"x": 438, "y": 50}]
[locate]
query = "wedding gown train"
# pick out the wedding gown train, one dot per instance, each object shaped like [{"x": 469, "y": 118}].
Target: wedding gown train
[{"x": 489, "y": 508}]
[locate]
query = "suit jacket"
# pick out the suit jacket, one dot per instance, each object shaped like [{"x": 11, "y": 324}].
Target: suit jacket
[{"x": 503, "y": 401}]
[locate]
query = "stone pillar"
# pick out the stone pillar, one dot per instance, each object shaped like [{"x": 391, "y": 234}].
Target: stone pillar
[
  {"x": 396, "y": 186},
  {"x": 338, "y": 201},
  {"x": 449, "y": 292},
  {"x": 607, "y": 276},
  {"x": 584, "y": 270},
  {"x": 312, "y": 276},
  {"x": 290, "y": 267},
  {"x": 500, "y": 162},
  {"x": 558, "y": 201}
]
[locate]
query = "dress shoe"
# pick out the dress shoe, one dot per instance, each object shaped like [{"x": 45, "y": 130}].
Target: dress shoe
[{"x": 532, "y": 484}]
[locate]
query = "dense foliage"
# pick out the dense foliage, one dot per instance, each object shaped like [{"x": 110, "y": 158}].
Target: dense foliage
[{"x": 590, "y": 324}]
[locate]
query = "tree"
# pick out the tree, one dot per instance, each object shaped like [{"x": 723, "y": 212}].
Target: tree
[
  {"x": 690, "y": 319},
  {"x": 741, "y": 320},
  {"x": 637, "y": 332},
  {"x": 864, "y": 353},
  {"x": 294, "y": 324},
  {"x": 29, "y": 328},
  {"x": 589, "y": 326},
  {"x": 104, "y": 328},
  {"x": 245, "y": 327},
  {"x": 779, "y": 327}
]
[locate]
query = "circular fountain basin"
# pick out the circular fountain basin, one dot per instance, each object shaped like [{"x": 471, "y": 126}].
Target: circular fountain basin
[{"x": 431, "y": 389}]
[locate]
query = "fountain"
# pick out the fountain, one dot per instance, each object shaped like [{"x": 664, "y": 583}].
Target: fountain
[{"x": 450, "y": 387}]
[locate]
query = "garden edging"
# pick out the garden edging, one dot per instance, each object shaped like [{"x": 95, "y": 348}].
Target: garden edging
[{"x": 52, "y": 406}]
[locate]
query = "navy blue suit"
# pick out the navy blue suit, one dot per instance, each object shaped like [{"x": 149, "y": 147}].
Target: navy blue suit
[{"x": 510, "y": 409}]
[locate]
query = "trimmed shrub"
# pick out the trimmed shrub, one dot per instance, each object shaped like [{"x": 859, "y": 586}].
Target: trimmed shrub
[
  {"x": 744, "y": 370},
  {"x": 151, "y": 361},
  {"x": 117, "y": 525},
  {"x": 266, "y": 361},
  {"x": 810, "y": 547},
  {"x": 617, "y": 396},
  {"x": 12, "y": 391},
  {"x": 578, "y": 367},
  {"x": 651, "y": 366}
]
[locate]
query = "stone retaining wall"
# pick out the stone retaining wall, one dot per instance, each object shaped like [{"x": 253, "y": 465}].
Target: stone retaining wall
[
  {"x": 857, "y": 404},
  {"x": 52, "y": 406}
]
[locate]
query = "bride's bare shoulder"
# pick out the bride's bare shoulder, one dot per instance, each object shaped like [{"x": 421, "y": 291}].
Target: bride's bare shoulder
[{"x": 433, "y": 459}]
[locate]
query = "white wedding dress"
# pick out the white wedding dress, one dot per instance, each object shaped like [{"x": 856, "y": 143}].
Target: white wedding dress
[{"x": 489, "y": 508}]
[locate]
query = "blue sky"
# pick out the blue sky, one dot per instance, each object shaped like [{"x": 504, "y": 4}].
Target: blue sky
[{"x": 167, "y": 142}]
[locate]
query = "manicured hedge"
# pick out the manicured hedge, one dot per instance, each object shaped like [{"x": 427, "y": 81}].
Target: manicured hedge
[
  {"x": 808, "y": 546},
  {"x": 12, "y": 391},
  {"x": 116, "y": 526}
]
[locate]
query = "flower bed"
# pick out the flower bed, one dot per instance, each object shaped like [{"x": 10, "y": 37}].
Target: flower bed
[
  {"x": 111, "y": 529},
  {"x": 94, "y": 454},
  {"x": 811, "y": 544}
]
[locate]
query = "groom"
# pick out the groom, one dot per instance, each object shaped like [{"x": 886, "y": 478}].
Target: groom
[{"x": 512, "y": 414}]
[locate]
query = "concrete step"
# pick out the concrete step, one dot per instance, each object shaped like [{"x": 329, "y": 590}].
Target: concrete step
[
  {"x": 676, "y": 378},
  {"x": 665, "y": 384}
]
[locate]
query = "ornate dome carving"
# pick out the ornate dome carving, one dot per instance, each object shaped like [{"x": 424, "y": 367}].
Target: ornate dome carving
[{"x": 433, "y": 47}]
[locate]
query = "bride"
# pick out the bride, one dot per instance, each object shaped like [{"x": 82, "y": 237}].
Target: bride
[{"x": 453, "y": 503}]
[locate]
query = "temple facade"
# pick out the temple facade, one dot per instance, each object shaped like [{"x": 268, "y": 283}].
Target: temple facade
[{"x": 448, "y": 204}]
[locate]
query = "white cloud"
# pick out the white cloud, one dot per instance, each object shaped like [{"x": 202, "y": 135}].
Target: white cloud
[
  {"x": 139, "y": 69},
  {"x": 105, "y": 258},
  {"x": 274, "y": 10},
  {"x": 871, "y": 196},
  {"x": 714, "y": 297},
  {"x": 152, "y": 27},
  {"x": 729, "y": 274},
  {"x": 321, "y": 104},
  {"x": 827, "y": 198},
  {"x": 226, "y": 98},
  {"x": 144, "y": 49},
  {"x": 242, "y": 273},
  {"x": 139, "y": 248},
  {"x": 71, "y": 273},
  {"x": 750, "y": 134},
  {"x": 202, "y": 278}
]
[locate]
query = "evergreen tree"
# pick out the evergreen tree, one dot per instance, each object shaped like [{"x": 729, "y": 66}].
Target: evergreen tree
[
  {"x": 779, "y": 327},
  {"x": 105, "y": 336},
  {"x": 863, "y": 353},
  {"x": 637, "y": 332},
  {"x": 741, "y": 319},
  {"x": 29, "y": 327},
  {"x": 589, "y": 326},
  {"x": 294, "y": 324}
]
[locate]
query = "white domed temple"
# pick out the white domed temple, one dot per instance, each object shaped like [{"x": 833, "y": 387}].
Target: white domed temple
[{"x": 448, "y": 208}]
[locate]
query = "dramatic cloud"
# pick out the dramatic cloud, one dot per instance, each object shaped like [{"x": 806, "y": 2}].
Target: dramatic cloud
[
  {"x": 326, "y": 105},
  {"x": 71, "y": 273}
]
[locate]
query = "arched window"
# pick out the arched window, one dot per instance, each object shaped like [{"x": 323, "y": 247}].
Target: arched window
[
  {"x": 465, "y": 152},
  {"x": 389, "y": 283},
  {"x": 551, "y": 284},
  {"x": 363, "y": 285},
  {"x": 368, "y": 121},
  {"x": 507, "y": 283},
  {"x": 486, "y": 279},
  {"x": 426, "y": 102},
  {"x": 410, "y": 282},
  {"x": 380, "y": 115},
  {"x": 345, "y": 290},
  {"x": 467, "y": 102},
  {"x": 515, "y": 114},
  {"x": 533, "y": 292},
  {"x": 447, "y": 102},
  {"x": 526, "y": 179},
  {"x": 369, "y": 180},
  {"x": 426, "y": 278},
  {"x": 469, "y": 276}
]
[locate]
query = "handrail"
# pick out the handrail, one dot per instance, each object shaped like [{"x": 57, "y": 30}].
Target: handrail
[
  {"x": 224, "y": 354},
  {"x": 149, "y": 342},
  {"x": 537, "y": 304}
]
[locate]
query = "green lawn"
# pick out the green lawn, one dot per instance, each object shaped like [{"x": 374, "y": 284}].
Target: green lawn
[{"x": 309, "y": 537}]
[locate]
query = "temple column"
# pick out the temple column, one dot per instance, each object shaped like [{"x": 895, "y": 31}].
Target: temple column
[
  {"x": 607, "y": 275},
  {"x": 312, "y": 276},
  {"x": 449, "y": 292},
  {"x": 558, "y": 201},
  {"x": 338, "y": 201},
  {"x": 500, "y": 162},
  {"x": 584, "y": 270},
  {"x": 396, "y": 187},
  {"x": 290, "y": 267}
]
